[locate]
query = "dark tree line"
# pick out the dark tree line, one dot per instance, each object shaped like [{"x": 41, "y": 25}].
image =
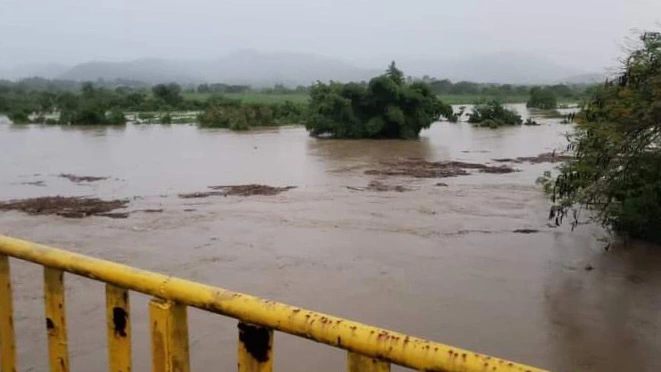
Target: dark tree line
[{"x": 447, "y": 87}]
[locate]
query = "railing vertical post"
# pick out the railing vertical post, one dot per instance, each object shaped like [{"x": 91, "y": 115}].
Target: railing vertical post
[
  {"x": 361, "y": 363},
  {"x": 7, "y": 343},
  {"x": 169, "y": 335},
  {"x": 255, "y": 348},
  {"x": 56, "y": 324},
  {"x": 118, "y": 321}
]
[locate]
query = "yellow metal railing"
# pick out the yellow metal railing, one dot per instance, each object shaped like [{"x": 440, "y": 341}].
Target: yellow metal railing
[{"x": 369, "y": 348}]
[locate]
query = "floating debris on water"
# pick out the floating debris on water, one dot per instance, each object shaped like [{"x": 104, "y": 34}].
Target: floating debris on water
[
  {"x": 547, "y": 157},
  {"x": 237, "y": 190},
  {"x": 526, "y": 231},
  {"x": 78, "y": 179},
  {"x": 379, "y": 186},
  {"x": 69, "y": 207},
  {"x": 423, "y": 169},
  {"x": 252, "y": 189}
]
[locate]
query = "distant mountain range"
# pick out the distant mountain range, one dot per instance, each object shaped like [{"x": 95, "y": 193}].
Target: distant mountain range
[
  {"x": 263, "y": 69},
  {"x": 511, "y": 68}
]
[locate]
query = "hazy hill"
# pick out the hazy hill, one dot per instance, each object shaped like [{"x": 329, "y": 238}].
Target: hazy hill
[
  {"x": 151, "y": 70},
  {"x": 256, "y": 68},
  {"x": 262, "y": 69},
  {"x": 244, "y": 67},
  {"x": 511, "y": 68}
]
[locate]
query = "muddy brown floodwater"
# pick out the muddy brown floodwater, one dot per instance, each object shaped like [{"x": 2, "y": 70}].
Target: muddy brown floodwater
[{"x": 472, "y": 262}]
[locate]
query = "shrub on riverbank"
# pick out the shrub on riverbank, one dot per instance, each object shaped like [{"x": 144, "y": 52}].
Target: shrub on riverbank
[
  {"x": 19, "y": 117},
  {"x": 617, "y": 168},
  {"x": 493, "y": 115},
  {"x": 236, "y": 115}
]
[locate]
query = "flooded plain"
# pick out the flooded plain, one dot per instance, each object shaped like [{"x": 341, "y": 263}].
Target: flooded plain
[{"x": 470, "y": 261}]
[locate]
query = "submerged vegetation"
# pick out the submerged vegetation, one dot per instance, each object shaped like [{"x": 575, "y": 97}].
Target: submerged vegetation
[
  {"x": 493, "y": 115},
  {"x": 236, "y": 115},
  {"x": 398, "y": 109},
  {"x": 616, "y": 172},
  {"x": 386, "y": 107},
  {"x": 88, "y": 104}
]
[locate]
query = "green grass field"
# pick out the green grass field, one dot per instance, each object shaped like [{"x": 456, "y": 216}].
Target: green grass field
[{"x": 253, "y": 97}]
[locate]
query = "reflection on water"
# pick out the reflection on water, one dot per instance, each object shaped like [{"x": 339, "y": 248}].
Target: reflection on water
[
  {"x": 439, "y": 262},
  {"x": 335, "y": 152}
]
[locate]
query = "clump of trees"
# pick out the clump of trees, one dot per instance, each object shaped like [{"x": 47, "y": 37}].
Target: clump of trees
[
  {"x": 91, "y": 107},
  {"x": 542, "y": 98},
  {"x": 493, "y": 115},
  {"x": 62, "y": 102},
  {"x": 386, "y": 107},
  {"x": 616, "y": 172},
  {"x": 503, "y": 92},
  {"x": 169, "y": 94},
  {"x": 236, "y": 115}
]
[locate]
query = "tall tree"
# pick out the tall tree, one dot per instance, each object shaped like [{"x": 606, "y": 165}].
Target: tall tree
[
  {"x": 168, "y": 93},
  {"x": 617, "y": 168},
  {"x": 395, "y": 74}
]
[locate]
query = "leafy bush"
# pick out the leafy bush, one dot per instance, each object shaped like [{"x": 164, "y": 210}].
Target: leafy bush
[
  {"x": 146, "y": 115},
  {"x": 115, "y": 117},
  {"x": 617, "y": 168},
  {"x": 166, "y": 119},
  {"x": 386, "y": 107},
  {"x": 224, "y": 113},
  {"x": 493, "y": 115},
  {"x": 19, "y": 117}
]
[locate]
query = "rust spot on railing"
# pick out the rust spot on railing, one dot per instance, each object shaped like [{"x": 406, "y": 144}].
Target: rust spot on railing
[
  {"x": 256, "y": 341},
  {"x": 119, "y": 320},
  {"x": 49, "y": 324}
]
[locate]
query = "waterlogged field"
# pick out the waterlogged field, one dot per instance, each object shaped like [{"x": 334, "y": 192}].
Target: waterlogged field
[{"x": 457, "y": 99}]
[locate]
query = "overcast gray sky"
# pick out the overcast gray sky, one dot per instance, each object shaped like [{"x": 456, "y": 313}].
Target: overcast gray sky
[{"x": 578, "y": 33}]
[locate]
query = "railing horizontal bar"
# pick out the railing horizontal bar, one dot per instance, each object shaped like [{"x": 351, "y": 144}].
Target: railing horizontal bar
[
  {"x": 359, "y": 363},
  {"x": 366, "y": 340}
]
